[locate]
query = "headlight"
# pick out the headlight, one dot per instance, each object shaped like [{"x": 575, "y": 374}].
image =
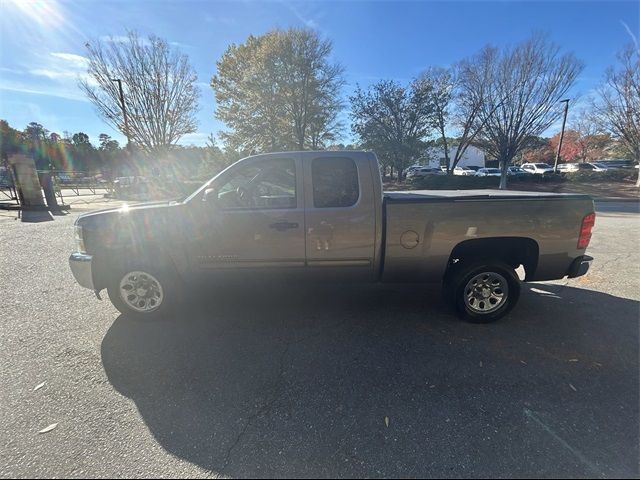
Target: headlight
[{"x": 77, "y": 233}]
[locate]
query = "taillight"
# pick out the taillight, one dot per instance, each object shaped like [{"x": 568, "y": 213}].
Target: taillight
[{"x": 585, "y": 230}]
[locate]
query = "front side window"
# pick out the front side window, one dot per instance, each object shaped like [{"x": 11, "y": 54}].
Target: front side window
[
  {"x": 261, "y": 184},
  {"x": 335, "y": 182}
]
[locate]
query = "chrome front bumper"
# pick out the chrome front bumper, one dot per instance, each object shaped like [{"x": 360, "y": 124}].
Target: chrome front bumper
[{"x": 80, "y": 264}]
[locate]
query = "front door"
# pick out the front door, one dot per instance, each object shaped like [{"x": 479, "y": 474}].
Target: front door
[{"x": 255, "y": 216}]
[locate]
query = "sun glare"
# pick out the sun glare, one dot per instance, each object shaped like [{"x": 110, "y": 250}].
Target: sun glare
[{"x": 41, "y": 12}]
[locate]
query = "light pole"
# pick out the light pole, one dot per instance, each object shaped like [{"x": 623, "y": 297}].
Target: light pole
[
  {"x": 564, "y": 121},
  {"x": 124, "y": 110}
]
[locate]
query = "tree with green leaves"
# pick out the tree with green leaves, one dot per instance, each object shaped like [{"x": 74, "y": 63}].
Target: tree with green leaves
[
  {"x": 11, "y": 140},
  {"x": 393, "y": 120},
  {"x": 107, "y": 144},
  {"x": 279, "y": 91}
]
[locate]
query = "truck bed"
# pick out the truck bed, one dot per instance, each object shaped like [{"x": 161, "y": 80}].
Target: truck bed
[
  {"x": 420, "y": 196},
  {"x": 423, "y": 227}
]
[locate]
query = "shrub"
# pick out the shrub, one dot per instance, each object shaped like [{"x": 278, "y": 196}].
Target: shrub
[
  {"x": 613, "y": 175},
  {"x": 453, "y": 182}
]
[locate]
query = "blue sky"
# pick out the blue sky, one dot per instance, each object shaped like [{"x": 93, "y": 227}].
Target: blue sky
[{"x": 42, "y": 42}]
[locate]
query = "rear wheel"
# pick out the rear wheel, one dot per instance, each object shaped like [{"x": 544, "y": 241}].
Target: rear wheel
[
  {"x": 483, "y": 292},
  {"x": 143, "y": 291}
]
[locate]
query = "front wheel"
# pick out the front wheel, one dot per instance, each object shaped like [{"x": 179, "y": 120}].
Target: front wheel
[
  {"x": 483, "y": 292},
  {"x": 142, "y": 291}
]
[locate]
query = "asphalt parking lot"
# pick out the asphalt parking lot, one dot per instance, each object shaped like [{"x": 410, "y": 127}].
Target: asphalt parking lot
[{"x": 379, "y": 381}]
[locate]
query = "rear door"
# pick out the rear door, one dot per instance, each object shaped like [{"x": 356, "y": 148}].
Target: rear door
[{"x": 340, "y": 215}]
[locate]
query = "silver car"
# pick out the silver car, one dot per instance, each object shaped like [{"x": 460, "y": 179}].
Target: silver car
[{"x": 488, "y": 172}]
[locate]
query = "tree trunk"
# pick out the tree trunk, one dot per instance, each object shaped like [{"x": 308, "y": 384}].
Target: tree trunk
[{"x": 503, "y": 176}]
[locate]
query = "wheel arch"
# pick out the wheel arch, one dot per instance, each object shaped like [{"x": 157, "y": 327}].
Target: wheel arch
[
  {"x": 111, "y": 261},
  {"x": 514, "y": 251}
]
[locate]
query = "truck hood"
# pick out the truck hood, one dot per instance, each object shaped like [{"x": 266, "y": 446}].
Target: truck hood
[
  {"x": 109, "y": 215},
  {"x": 132, "y": 224}
]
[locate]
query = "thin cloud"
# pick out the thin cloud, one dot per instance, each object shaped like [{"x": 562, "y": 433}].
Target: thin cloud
[
  {"x": 226, "y": 21},
  {"x": 308, "y": 21},
  {"x": 196, "y": 138},
  {"x": 43, "y": 90},
  {"x": 78, "y": 60},
  {"x": 631, "y": 34},
  {"x": 123, "y": 39},
  {"x": 15, "y": 71},
  {"x": 62, "y": 66},
  {"x": 143, "y": 41}
]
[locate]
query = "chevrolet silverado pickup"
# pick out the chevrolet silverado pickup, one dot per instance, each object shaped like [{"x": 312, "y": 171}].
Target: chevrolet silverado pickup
[{"x": 324, "y": 216}]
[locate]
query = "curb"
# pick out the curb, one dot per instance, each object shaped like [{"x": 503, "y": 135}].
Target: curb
[{"x": 616, "y": 199}]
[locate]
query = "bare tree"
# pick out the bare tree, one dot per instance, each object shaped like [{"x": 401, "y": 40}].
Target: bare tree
[
  {"x": 617, "y": 108},
  {"x": 440, "y": 84},
  {"x": 458, "y": 95},
  {"x": 526, "y": 84},
  {"x": 591, "y": 140},
  {"x": 161, "y": 97}
]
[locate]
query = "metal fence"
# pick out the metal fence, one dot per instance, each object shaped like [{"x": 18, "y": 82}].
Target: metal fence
[
  {"x": 66, "y": 183},
  {"x": 78, "y": 184},
  {"x": 8, "y": 193}
]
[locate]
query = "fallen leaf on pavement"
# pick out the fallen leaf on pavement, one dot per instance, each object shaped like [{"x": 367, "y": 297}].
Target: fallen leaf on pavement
[
  {"x": 39, "y": 386},
  {"x": 386, "y": 421},
  {"x": 573, "y": 388},
  {"x": 49, "y": 428}
]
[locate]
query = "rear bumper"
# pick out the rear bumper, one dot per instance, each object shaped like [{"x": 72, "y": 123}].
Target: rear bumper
[
  {"x": 81, "y": 267},
  {"x": 579, "y": 266}
]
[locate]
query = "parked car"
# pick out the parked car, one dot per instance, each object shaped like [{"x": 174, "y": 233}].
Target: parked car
[
  {"x": 589, "y": 167},
  {"x": 616, "y": 164},
  {"x": 537, "y": 168},
  {"x": 488, "y": 172},
  {"x": 515, "y": 171},
  {"x": 132, "y": 185},
  {"x": 309, "y": 216},
  {"x": 425, "y": 171},
  {"x": 464, "y": 171},
  {"x": 567, "y": 167},
  {"x": 599, "y": 167}
]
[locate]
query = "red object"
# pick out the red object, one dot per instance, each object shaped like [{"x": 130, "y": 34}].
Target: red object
[{"x": 585, "y": 230}]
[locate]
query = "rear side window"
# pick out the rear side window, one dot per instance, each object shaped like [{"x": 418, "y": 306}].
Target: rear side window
[{"x": 335, "y": 182}]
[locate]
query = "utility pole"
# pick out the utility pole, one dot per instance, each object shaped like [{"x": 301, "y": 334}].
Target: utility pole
[
  {"x": 124, "y": 111},
  {"x": 564, "y": 121}
]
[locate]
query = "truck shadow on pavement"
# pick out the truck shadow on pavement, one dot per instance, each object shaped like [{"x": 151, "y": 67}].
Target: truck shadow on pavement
[{"x": 386, "y": 381}]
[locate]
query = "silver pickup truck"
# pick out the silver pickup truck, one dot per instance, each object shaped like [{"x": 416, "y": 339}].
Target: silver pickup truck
[{"x": 323, "y": 216}]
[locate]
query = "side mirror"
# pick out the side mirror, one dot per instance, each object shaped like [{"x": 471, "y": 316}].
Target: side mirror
[{"x": 209, "y": 195}]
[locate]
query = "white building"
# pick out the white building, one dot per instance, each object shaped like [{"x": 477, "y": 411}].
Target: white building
[{"x": 472, "y": 157}]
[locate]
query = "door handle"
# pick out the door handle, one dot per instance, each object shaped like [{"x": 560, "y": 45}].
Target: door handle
[{"x": 282, "y": 226}]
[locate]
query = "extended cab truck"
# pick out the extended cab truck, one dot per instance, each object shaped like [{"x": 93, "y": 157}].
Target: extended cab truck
[{"x": 323, "y": 215}]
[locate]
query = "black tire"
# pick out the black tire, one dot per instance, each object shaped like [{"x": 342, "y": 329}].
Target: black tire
[
  {"x": 163, "y": 275},
  {"x": 456, "y": 290}
]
